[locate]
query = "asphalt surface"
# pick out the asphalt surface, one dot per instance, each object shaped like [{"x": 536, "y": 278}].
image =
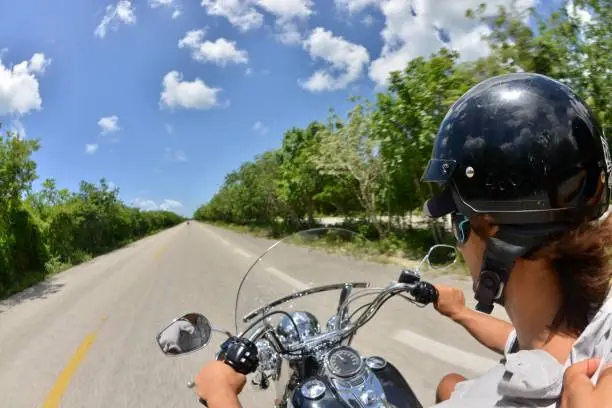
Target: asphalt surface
[{"x": 86, "y": 338}]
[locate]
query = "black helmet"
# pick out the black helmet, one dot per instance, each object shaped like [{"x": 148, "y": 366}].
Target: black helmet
[{"x": 524, "y": 149}]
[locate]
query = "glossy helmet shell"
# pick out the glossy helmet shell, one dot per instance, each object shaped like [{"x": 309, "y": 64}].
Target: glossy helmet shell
[{"x": 524, "y": 149}]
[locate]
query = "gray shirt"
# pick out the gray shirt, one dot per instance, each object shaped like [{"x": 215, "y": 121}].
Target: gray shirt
[{"x": 533, "y": 378}]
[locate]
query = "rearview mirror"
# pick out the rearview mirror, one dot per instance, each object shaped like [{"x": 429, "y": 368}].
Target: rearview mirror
[
  {"x": 185, "y": 334},
  {"x": 441, "y": 256}
]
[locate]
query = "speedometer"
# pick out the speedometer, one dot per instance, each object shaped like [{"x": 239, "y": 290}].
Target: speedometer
[{"x": 344, "y": 362}]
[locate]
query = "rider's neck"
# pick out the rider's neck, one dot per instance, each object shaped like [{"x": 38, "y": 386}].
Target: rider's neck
[{"x": 533, "y": 297}]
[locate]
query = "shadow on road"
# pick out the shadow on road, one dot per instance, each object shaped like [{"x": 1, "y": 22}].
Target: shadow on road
[{"x": 39, "y": 291}]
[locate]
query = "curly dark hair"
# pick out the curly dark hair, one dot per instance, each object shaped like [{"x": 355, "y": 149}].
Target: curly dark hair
[{"x": 582, "y": 260}]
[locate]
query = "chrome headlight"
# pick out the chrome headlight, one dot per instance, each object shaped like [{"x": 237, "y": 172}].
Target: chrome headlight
[{"x": 307, "y": 326}]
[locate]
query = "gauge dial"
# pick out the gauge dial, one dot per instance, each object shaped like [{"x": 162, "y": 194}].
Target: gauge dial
[{"x": 344, "y": 362}]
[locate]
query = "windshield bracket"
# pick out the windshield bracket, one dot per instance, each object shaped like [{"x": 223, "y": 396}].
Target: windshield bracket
[{"x": 343, "y": 309}]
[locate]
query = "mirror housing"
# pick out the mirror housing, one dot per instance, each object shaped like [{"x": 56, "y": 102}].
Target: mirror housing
[
  {"x": 441, "y": 256},
  {"x": 185, "y": 334}
]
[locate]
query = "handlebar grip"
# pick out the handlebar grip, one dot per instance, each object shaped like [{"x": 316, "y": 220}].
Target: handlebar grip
[
  {"x": 238, "y": 353},
  {"x": 425, "y": 293}
]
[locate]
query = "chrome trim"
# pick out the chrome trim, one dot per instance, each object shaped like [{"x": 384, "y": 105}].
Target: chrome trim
[
  {"x": 313, "y": 383},
  {"x": 376, "y": 362},
  {"x": 296, "y": 326},
  {"x": 364, "y": 390}
]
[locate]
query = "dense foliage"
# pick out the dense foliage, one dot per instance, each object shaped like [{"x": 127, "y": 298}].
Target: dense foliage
[
  {"x": 46, "y": 231},
  {"x": 369, "y": 165}
]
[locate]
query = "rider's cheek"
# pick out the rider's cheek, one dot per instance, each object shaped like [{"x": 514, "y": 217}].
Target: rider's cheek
[{"x": 473, "y": 251}]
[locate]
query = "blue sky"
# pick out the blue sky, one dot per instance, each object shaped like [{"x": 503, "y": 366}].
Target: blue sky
[{"x": 164, "y": 97}]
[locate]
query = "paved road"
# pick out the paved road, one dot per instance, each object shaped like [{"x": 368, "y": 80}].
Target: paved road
[{"x": 86, "y": 337}]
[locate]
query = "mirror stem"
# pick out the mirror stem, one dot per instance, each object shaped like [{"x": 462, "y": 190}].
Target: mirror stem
[{"x": 228, "y": 334}]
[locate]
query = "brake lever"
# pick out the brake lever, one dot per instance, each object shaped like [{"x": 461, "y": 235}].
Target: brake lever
[{"x": 202, "y": 401}]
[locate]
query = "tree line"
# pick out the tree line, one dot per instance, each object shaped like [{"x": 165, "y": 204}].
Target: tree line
[
  {"x": 47, "y": 231},
  {"x": 368, "y": 165}
]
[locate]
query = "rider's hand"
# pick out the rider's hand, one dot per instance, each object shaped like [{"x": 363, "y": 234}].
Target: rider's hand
[
  {"x": 218, "y": 382},
  {"x": 579, "y": 391},
  {"x": 451, "y": 301}
]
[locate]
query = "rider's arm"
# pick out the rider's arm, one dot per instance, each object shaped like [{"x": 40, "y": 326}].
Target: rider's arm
[{"x": 490, "y": 331}]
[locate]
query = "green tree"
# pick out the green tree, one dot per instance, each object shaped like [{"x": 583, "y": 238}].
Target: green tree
[
  {"x": 407, "y": 119},
  {"x": 351, "y": 151},
  {"x": 299, "y": 180},
  {"x": 572, "y": 44}
]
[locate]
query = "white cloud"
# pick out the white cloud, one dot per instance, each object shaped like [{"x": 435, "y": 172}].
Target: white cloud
[
  {"x": 412, "y": 29},
  {"x": 368, "y": 20},
  {"x": 290, "y": 15},
  {"x": 220, "y": 52},
  {"x": 91, "y": 148},
  {"x": 170, "y": 205},
  {"x": 150, "y": 205},
  {"x": 239, "y": 13},
  {"x": 38, "y": 63},
  {"x": 346, "y": 61},
  {"x": 287, "y": 9},
  {"x": 187, "y": 94},
  {"x": 144, "y": 204},
  {"x": 248, "y": 71},
  {"x": 260, "y": 128},
  {"x": 116, "y": 14},
  {"x": 354, "y": 6},
  {"x": 109, "y": 124},
  {"x": 169, "y": 128},
  {"x": 175, "y": 155},
  {"x": 246, "y": 15},
  {"x": 289, "y": 33},
  {"x": 172, "y": 4},
  {"x": 19, "y": 88}
]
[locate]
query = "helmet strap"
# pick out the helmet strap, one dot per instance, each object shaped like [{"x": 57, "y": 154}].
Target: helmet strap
[
  {"x": 497, "y": 263},
  {"x": 502, "y": 251}
]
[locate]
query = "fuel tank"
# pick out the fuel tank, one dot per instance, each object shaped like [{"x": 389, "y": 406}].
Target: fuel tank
[{"x": 398, "y": 392}]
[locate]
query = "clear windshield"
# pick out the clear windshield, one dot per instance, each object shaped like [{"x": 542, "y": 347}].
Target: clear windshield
[{"x": 305, "y": 260}]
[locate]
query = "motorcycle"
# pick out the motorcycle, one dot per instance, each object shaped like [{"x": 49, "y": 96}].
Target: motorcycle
[{"x": 281, "y": 342}]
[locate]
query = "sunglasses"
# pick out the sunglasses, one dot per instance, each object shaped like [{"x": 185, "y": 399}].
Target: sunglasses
[{"x": 461, "y": 227}]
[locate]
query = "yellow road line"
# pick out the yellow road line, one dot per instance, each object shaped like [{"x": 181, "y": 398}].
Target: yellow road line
[
  {"x": 63, "y": 381},
  {"x": 159, "y": 253}
]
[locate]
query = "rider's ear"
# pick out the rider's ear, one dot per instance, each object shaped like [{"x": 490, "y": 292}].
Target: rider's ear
[{"x": 484, "y": 226}]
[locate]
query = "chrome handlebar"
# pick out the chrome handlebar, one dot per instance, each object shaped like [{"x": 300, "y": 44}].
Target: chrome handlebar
[{"x": 339, "y": 333}]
